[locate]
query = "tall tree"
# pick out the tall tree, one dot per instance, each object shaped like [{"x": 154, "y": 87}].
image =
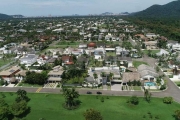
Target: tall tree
[
  {"x": 4, "y": 110},
  {"x": 147, "y": 95},
  {"x": 19, "y": 108},
  {"x": 70, "y": 96},
  {"x": 21, "y": 95}
]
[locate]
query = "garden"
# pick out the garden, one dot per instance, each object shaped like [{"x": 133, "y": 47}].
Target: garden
[{"x": 138, "y": 63}]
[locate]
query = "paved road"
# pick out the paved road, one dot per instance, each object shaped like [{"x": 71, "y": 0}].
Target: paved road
[{"x": 172, "y": 90}]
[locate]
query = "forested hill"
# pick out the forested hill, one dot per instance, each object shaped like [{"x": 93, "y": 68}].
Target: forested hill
[
  {"x": 4, "y": 16},
  {"x": 171, "y": 9}
]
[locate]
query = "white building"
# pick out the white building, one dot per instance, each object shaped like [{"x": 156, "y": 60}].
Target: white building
[{"x": 29, "y": 59}]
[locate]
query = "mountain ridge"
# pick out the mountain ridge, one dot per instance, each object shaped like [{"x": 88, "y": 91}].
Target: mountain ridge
[{"x": 171, "y": 9}]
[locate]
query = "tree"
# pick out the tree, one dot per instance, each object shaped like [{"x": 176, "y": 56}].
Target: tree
[
  {"x": 19, "y": 108},
  {"x": 21, "y": 96},
  {"x": 92, "y": 114},
  {"x": 177, "y": 114},
  {"x": 133, "y": 100},
  {"x": 147, "y": 95},
  {"x": 70, "y": 96},
  {"x": 168, "y": 100},
  {"x": 95, "y": 76},
  {"x": 4, "y": 110}
]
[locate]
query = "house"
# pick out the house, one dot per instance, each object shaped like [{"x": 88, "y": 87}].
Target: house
[
  {"x": 22, "y": 30},
  {"x": 99, "y": 53},
  {"x": 170, "y": 43},
  {"x": 42, "y": 59},
  {"x": 147, "y": 73},
  {"x": 127, "y": 60},
  {"x": 176, "y": 46},
  {"x": 130, "y": 76},
  {"x": 67, "y": 60},
  {"x": 77, "y": 52},
  {"x": 91, "y": 45},
  {"x": 162, "y": 52},
  {"x": 9, "y": 74},
  {"x": 68, "y": 51},
  {"x": 29, "y": 59},
  {"x": 82, "y": 46},
  {"x": 90, "y": 80},
  {"x": 83, "y": 59},
  {"x": 151, "y": 35},
  {"x": 151, "y": 44},
  {"x": 122, "y": 51},
  {"x": 20, "y": 75},
  {"x": 55, "y": 74}
]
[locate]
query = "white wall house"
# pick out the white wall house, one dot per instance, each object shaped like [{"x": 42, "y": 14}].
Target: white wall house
[
  {"x": 29, "y": 59},
  {"x": 99, "y": 52},
  {"x": 176, "y": 46}
]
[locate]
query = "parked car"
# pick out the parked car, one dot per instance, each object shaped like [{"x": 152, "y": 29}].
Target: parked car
[
  {"x": 99, "y": 92},
  {"x": 88, "y": 92}
]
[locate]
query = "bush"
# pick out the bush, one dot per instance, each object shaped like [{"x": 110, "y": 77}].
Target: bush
[
  {"x": 177, "y": 114},
  {"x": 133, "y": 100},
  {"x": 1, "y": 82},
  {"x": 168, "y": 100},
  {"x": 138, "y": 83},
  {"x": 58, "y": 85},
  {"x": 102, "y": 99},
  {"x": 163, "y": 87}
]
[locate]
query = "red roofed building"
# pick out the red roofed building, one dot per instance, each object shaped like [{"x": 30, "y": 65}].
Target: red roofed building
[
  {"x": 67, "y": 60},
  {"x": 91, "y": 45}
]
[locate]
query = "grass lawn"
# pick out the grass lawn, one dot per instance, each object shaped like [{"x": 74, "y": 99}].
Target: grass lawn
[
  {"x": 29, "y": 85},
  {"x": 138, "y": 63},
  {"x": 49, "y": 106},
  {"x": 110, "y": 53},
  {"x": 136, "y": 87},
  {"x": 178, "y": 83},
  {"x": 152, "y": 51},
  {"x": 4, "y": 62},
  {"x": 68, "y": 43}
]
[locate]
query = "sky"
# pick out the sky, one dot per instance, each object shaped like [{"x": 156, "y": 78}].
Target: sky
[{"x": 70, "y": 7}]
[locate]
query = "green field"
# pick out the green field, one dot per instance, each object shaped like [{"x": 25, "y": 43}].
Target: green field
[
  {"x": 138, "y": 63},
  {"x": 178, "y": 83},
  {"x": 4, "y": 62},
  {"x": 152, "y": 51},
  {"x": 49, "y": 106},
  {"x": 110, "y": 53}
]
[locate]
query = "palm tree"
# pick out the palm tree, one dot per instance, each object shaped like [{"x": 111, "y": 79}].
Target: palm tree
[
  {"x": 70, "y": 95},
  {"x": 147, "y": 95},
  {"x": 95, "y": 76}
]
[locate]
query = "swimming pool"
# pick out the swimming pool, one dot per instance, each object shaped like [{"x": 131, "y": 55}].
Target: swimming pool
[{"x": 149, "y": 84}]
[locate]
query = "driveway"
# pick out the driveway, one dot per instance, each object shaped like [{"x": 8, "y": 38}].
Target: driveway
[{"x": 116, "y": 87}]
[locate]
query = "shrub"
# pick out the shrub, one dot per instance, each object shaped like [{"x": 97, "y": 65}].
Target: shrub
[
  {"x": 168, "y": 100},
  {"x": 97, "y": 97},
  {"x": 1, "y": 82},
  {"x": 102, "y": 99},
  {"x": 157, "y": 117},
  {"x": 177, "y": 114},
  {"x": 133, "y": 100},
  {"x": 163, "y": 87},
  {"x": 58, "y": 85},
  {"x": 138, "y": 83}
]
